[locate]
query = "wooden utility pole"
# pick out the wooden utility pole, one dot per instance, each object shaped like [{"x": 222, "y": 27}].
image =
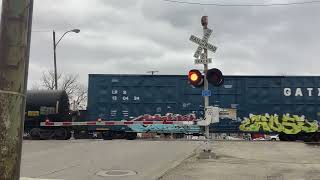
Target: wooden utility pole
[{"x": 15, "y": 37}]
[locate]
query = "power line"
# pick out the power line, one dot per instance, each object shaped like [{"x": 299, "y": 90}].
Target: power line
[
  {"x": 242, "y": 5},
  {"x": 41, "y": 30}
]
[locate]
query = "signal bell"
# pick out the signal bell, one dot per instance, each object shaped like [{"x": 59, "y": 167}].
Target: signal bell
[
  {"x": 195, "y": 78},
  {"x": 215, "y": 77}
]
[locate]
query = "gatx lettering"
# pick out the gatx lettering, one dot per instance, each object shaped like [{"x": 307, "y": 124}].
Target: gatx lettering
[{"x": 301, "y": 92}]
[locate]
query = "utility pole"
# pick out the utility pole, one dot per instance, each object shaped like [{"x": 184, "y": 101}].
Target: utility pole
[
  {"x": 204, "y": 23},
  {"x": 55, "y": 60},
  {"x": 15, "y": 37},
  {"x": 55, "y": 44}
]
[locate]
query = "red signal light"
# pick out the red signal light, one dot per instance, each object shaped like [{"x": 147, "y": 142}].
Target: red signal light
[
  {"x": 195, "y": 78},
  {"x": 215, "y": 77}
]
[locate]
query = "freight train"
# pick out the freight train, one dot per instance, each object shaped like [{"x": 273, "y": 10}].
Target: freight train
[{"x": 288, "y": 105}]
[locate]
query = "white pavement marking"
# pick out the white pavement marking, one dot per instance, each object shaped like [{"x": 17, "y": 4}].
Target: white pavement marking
[{"x": 26, "y": 178}]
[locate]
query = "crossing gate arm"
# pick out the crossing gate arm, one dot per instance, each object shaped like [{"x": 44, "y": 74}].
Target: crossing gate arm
[{"x": 112, "y": 123}]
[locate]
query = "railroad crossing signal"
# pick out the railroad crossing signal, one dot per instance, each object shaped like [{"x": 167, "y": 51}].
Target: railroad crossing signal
[{"x": 212, "y": 76}]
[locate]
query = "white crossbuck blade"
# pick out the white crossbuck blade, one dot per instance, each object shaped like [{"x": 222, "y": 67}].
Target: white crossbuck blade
[
  {"x": 206, "y": 36},
  {"x": 203, "y": 43}
]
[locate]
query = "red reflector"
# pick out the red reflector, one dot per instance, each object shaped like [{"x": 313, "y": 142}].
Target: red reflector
[
  {"x": 129, "y": 122},
  {"x": 67, "y": 123},
  {"x": 168, "y": 122},
  {"x": 91, "y": 123},
  {"x": 49, "y": 123},
  {"x": 148, "y": 122},
  {"x": 109, "y": 123}
]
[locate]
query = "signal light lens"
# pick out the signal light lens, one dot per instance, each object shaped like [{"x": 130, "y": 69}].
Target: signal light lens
[
  {"x": 215, "y": 77},
  {"x": 195, "y": 78}
]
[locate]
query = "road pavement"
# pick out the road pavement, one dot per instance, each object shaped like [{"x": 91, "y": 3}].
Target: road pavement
[
  {"x": 245, "y": 160},
  {"x": 93, "y": 159}
]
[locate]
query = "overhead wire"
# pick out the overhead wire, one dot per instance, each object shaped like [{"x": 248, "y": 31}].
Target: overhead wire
[
  {"x": 41, "y": 30},
  {"x": 242, "y": 5}
]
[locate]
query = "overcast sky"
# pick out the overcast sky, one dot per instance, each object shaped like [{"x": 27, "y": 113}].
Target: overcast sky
[{"x": 135, "y": 36}]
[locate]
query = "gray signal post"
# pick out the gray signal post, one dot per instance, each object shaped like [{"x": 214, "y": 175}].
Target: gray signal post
[
  {"x": 204, "y": 22},
  {"x": 205, "y": 46}
]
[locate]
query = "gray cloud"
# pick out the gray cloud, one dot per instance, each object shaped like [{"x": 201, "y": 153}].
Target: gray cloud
[{"x": 134, "y": 36}]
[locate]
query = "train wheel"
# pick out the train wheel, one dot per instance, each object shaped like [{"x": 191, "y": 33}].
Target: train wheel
[
  {"x": 107, "y": 135},
  {"x": 119, "y": 134},
  {"x": 131, "y": 135},
  {"x": 292, "y": 137},
  {"x": 61, "y": 134},
  {"x": 317, "y": 137},
  {"x": 46, "y": 134},
  {"x": 311, "y": 137},
  {"x": 178, "y": 136},
  {"x": 306, "y": 137},
  {"x": 35, "y": 134},
  {"x": 68, "y": 135},
  {"x": 283, "y": 137},
  {"x": 81, "y": 135}
]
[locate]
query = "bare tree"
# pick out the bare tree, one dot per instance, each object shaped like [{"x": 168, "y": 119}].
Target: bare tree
[
  {"x": 79, "y": 97},
  {"x": 70, "y": 83},
  {"x": 48, "y": 81}
]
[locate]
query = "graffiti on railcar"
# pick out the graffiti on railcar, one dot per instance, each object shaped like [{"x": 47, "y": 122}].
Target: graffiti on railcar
[{"x": 288, "y": 124}]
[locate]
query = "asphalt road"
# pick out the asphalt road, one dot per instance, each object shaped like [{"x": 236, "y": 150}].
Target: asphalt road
[
  {"x": 93, "y": 159},
  {"x": 244, "y": 160}
]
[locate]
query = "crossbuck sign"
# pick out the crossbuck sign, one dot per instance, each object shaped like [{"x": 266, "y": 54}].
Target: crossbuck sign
[{"x": 203, "y": 43}]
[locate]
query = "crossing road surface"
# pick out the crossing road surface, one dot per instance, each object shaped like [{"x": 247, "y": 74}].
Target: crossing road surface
[
  {"x": 94, "y": 159},
  {"x": 251, "y": 160}
]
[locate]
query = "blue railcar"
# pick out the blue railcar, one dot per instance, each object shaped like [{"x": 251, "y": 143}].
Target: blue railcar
[{"x": 117, "y": 97}]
